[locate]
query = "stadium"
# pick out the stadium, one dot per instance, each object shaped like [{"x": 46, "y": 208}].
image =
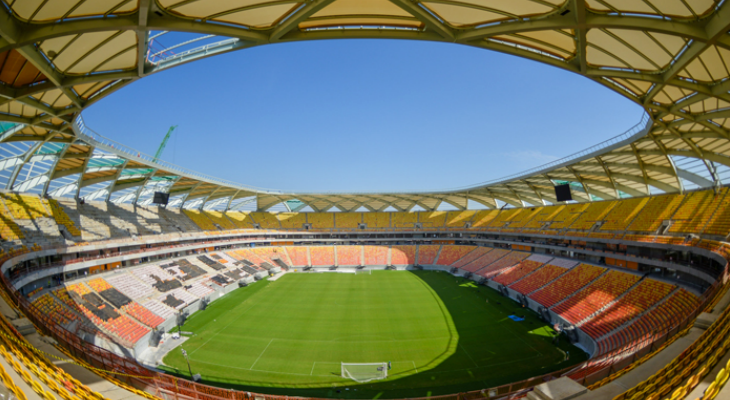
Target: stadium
[{"x": 600, "y": 275}]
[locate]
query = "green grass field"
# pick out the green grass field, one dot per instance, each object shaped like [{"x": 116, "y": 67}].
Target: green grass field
[{"x": 441, "y": 336}]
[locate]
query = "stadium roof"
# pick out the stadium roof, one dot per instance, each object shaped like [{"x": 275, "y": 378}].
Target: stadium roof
[{"x": 672, "y": 57}]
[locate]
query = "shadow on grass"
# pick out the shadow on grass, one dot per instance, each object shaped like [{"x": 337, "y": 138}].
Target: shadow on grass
[{"x": 486, "y": 348}]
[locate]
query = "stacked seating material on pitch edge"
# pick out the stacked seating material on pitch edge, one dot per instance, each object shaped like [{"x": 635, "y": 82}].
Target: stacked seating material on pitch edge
[
  {"x": 484, "y": 260},
  {"x": 143, "y": 315},
  {"x": 522, "y": 269},
  {"x": 452, "y": 253},
  {"x": 663, "y": 317},
  {"x": 349, "y": 255},
  {"x": 427, "y": 253},
  {"x": 638, "y": 300},
  {"x": 133, "y": 288},
  {"x": 498, "y": 266},
  {"x": 567, "y": 284},
  {"x": 403, "y": 255},
  {"x": 595, "y": 296}
]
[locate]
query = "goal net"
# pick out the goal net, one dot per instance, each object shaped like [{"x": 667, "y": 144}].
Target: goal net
[
  {"x": 362, "y": 271},
  {"x": 365, "y": 372}
]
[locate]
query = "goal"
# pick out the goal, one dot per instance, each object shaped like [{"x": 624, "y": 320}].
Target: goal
[
  {"x": 362, "y": 271},
  {"x": 365, "y": 372}
]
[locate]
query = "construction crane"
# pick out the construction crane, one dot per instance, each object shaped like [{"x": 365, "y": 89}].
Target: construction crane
[{"x": 164, "y": 143}]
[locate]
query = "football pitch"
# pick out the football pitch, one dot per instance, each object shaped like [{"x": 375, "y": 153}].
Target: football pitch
[{"x": 438, "y": 332}]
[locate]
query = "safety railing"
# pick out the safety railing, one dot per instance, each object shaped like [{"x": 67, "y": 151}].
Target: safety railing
[{"x": 170, "y": 387}]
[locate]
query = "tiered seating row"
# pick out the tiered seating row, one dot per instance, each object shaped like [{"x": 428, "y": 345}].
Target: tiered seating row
[
  {"x": 427, "y": 254},
  {"x": 655, "y": 322},
  {"x": 640, "y": 299},
  {"x": 518, "y": 272},
  {"x": 322, "y": 255},
  {"x": 201, "y": 220},
  {"x": 298, "y": 255},
  {"x": 598, "y": 294},
  {"x": 143, "y": 315},
  {"x": 507, "y": 261},
  {"x": 349, "y": 255},
  {"x": 567, "y": 284},
  {"x": 451, "y": 254},
  {"x": 487, "y": 259},
  {"x": 403, "y": 255},
  {"x": 375, "y": 255},
  {"x": 472, "y": 256}
]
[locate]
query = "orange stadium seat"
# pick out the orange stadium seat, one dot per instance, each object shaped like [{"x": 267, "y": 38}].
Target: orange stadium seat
[
  {"x": 472, "y": 256},
  {"x": 322, "y": 255},
  {"x": 638, "y": 300},
  {"x": 376, "y": 255},
  {"x": 451, "y": 254},
  {"x": 601, "y": 292},
  {"x": 509, "y": 260},
  {"x": 143, "y": 315},
  {"x": 666, "y": 315},
  {"x": 486, "y": 259},
  {"x": 427, "y": 254},
  {"x": 518, "y": 272},
  {"x": 567, "y": 284},
  {"x": 298, "y": 255},
  {"x": 403, "y": 255},
  {"x": 349, "y": 255}
]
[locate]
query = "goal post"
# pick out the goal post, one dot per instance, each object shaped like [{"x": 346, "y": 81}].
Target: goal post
[{"x": 364, "y": 372}]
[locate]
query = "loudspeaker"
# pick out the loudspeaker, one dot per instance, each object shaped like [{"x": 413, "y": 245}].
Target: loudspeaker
[
  {"x": 562, "y": 192},
  {"x": 161, "y": 198}
]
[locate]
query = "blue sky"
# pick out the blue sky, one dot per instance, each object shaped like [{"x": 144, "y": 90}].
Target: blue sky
[{"x": 363, "y": 115}]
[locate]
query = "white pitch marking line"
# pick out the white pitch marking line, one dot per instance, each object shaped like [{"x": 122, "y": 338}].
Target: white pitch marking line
[
  {"x": 262, "y": 353},
  {"x": 468, "y": 355},
  {"x": 313, "y": 364},
  {"x": 414, "y": 366}
]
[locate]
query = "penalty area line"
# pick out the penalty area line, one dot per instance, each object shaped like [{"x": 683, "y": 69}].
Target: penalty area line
[
  {"x": 414, "y": 366},
  {"x": 312, "y": 371},
  {"x": 262, "y": 353}
]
